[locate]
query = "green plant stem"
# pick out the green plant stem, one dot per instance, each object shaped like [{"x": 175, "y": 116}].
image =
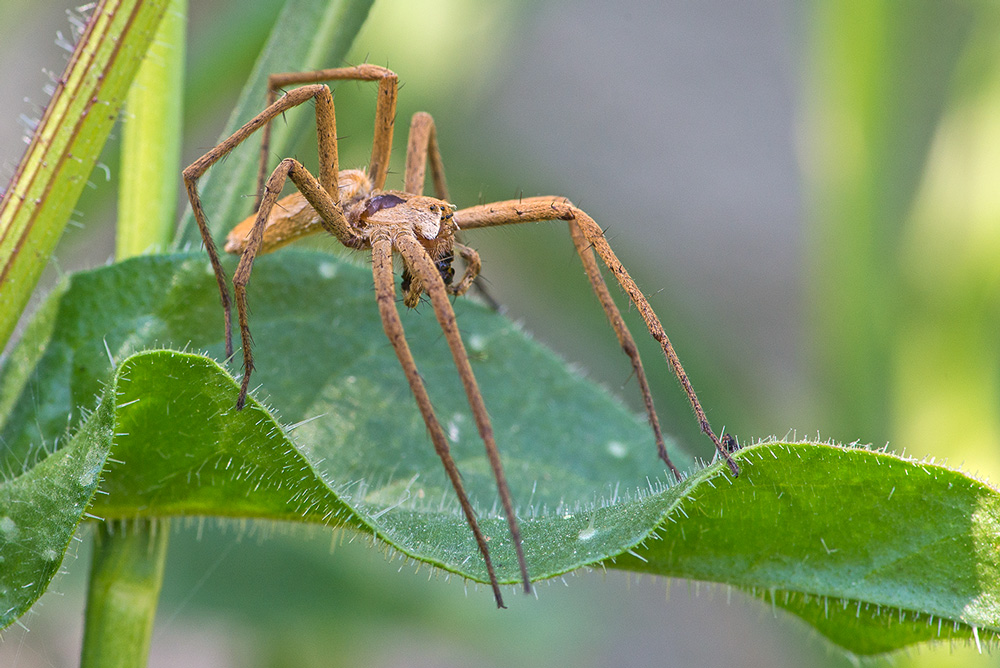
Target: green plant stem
[
  {"x": 38, "y": 202},
  {"x": 125, "y": 579},
  {"x": 127, "y": 570},
  {"x": 151, "y": 146}
]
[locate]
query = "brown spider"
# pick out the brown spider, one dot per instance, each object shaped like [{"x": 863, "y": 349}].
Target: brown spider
[{"x": 353, "y": 206}]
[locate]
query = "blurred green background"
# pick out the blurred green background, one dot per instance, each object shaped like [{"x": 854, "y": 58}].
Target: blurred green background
[{"x": 808, "y": 192}]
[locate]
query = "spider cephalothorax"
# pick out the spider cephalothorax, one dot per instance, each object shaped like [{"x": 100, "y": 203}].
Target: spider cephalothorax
[
  {"x": 373, "y": 213},
  {"x": 429, "y": 219},
  {"x": 353, "y": 206}
]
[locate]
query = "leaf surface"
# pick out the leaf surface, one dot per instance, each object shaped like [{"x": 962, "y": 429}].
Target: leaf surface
[{"x": 875, "y": 551}]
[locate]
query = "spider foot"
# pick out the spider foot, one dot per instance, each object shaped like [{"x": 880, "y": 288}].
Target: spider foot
[{"x": 724, "y": 447}]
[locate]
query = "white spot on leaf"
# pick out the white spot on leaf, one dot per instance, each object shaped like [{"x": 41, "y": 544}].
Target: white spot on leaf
[
  {"x": 477, "y": 343},
  {"x": 617, "y": 449},
  {"x": 327, "y": 270},
  {"x": 8, "y": 528}
]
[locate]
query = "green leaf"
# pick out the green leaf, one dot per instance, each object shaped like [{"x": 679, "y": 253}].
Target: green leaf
[
  {"x": 40, "y": 510},
  {"x": 875, "y": 551}
]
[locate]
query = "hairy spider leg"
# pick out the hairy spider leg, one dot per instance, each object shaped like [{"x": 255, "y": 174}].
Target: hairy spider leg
[
  {"x": 421, "y": 148},
  {"x": 327, "y": 137},
  {"x": 625, "y": 340},
  {"x": 385, "y": 114},
  {"x": 332, "y": 219},
  {"x": 538, "y": 209},
  {"x": 420, "y": 262},
  {"x": 322, "y": 195},
  {"x": 385, "y": 294}
]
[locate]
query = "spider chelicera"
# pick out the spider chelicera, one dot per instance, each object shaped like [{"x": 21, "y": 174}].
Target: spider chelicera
[{"x": 353, "y": 206}]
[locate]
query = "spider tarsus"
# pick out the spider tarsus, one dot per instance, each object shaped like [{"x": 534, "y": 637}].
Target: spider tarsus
[
  {"x": 244, "y": 389},
  {"x": 498, "y": 597},
  {"x": 525, "y": 578},
  {"x": 722, "y": 446},
  {"x": 733, "y": 466}
]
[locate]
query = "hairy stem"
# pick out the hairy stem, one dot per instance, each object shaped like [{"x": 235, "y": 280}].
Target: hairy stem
[{"x": 40, "y": 198}]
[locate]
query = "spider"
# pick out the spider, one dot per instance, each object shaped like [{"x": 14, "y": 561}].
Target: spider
[{"x": 353, "y": 206}]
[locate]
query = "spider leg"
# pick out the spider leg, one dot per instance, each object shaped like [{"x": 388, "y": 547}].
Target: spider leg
[
  {"x": 625, "y": 339},
  {"x": 536, "y": 209},
  {"x": 422, "y": 147},
  {"x": 472, "y": 266},
  {"x": 330, "y": 216},
  {"x": 385, "y": 293},
  {"x": 421, "y": 264},
  {"x": 326, "y": 131},
  {"x": 385, "y": 114}
]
